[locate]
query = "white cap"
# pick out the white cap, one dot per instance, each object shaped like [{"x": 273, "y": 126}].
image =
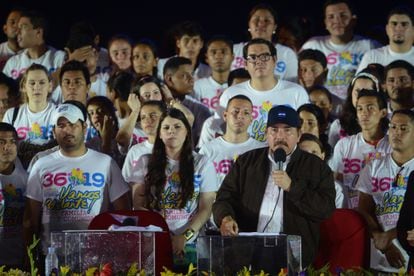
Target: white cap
[{"x": 70, "y": 112}]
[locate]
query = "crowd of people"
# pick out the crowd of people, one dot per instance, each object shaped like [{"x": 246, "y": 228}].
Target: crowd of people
[{"x": 87, "y": 129}]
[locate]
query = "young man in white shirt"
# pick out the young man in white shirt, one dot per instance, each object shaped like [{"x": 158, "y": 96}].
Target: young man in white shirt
[
  {"x": 188, "y": 42},
  {"x": 73, "y": 169},
  {"x": 400, "y": 32},
  {"x": 342, "y": 48},
  {"x": 10, "y": 47},
  {"x": 224, "y": 150},
  {"x": 352, "y": 153},
  {"x": 382, "y": 186},
  {"x": 399, "y": 85},
  {"x": 219, "y": 56},
  {"x": 264, "y": 88},
  {"x": 179, "y": 79},
  {"x": 32, "y": 29},
  {"x": 13, "y": 181}
]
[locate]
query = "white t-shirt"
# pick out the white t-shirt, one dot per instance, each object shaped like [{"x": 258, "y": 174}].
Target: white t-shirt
[
  {"x": 224, "y": 154},
  {"x": 73, "y": 190},
  {"x": 138, "y": 135},
  {"x": 103, "y": 67},
  {"x": 351, "y": 154},
  {"x": 12, "y": 202},
  {"x": 208, "y": 92},
  {"x": 335, "y": 133},
  {"x": 343, "y": 60},
  {"x": 385, "y": 56},
  {"x": 212, "y": 128},
  {"x": 286, "y": 65},
  {"x": 131, "y": 160},
  {"x": 284, "y": 93},
  {"x": 386, "y": 182},
  {"x": 202, "y": 70},
  {"x": 5, "y": 53},
  {"x": 33, "y": 127},
  {"x": 17, "y": 64},
  {"x": 205, "y": 181}
]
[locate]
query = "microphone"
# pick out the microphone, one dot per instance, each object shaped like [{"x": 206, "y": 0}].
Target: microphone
[{"x": 280, "y": 157}]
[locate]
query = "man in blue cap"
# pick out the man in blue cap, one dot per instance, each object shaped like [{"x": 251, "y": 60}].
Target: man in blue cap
[{"x": 292, "y": 196}]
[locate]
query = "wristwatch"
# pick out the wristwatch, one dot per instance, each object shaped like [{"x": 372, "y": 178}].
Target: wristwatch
[{"x": 188, "y": 234}]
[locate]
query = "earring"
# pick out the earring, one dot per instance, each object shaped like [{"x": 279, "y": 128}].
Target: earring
[
  {"x": 248, "y": 29},
  {"x": 273, "y": 32}
]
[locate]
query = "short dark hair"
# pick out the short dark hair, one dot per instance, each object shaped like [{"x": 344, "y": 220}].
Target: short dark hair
[
  {"x": 189, "y": 28},
  {"x": 220, "y": 38},
  {"x": 406, "y": 112},
  {"x": 400, "y": 64},
  {"x": 323, "y": 89},
  {"x": 254, "y": 41},
  {"x": 74, "y": 65},
  {"x": 6, "y": 127},
  {"x": 382, "y": 102},
  {"x": 81, "y": 34},
  {"x": 310, "y": 137},
  {"x": 236, "y": 74},
  {"x": 313, "y": 54},
  {"x": 160, "y": 104},
  {"x": 239, "y": 97},
  {"x": 402, "y": 9},
  {"x": 173, "y": 64},
  {"x": 38, "y": 20},
  {"x": 335, "y": 2},
  {"x": 79, "y": 105},
  {"x": 121, "y": 83},
  {"x": 11, "y": 84}
]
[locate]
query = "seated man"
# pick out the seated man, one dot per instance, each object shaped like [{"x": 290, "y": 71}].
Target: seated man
[{"x": 292, "y": 197}]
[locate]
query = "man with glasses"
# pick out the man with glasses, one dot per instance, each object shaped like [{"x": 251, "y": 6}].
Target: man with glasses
[
  {"x": 382, "y": 185},
  {"x": 264, "y": 88},
  {"x": 292, "y": 197},
  {"x": 399, "y": 85}
]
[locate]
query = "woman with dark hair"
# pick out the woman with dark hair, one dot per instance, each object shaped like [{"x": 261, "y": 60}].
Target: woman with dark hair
[
  {"x": 144, "y": 58},
  {"x": 101, "y": 113},
  {"x": 314, "y": 122},
  {"x": 347, "y": 124},
  {"x": 178, "y": 183}
]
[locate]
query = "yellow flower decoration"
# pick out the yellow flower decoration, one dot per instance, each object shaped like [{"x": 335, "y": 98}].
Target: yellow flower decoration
[
  {"x": 91, "y": 271},
  {"x": 267, "y": 105},
  {"x": 64, "y": 270}
]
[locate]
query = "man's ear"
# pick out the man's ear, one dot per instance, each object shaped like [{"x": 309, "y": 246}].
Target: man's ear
[
  {"x": 4, "y": 28},
  {"x": 168, "y": 79}
]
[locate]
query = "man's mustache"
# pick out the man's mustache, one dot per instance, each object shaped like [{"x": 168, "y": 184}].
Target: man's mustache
[{"x": 281, "y": 143}]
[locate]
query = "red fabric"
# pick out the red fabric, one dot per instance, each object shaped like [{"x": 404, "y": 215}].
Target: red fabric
[
  {"x": 163, "y": 245},
  {"x": 344, "y": 241}
]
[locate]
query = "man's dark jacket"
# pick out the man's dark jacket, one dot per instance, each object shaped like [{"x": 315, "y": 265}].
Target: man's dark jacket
[{"x": 310, "y": 200}]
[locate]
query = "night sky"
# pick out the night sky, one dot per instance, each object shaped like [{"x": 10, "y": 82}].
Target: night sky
[{"x": 152, "y": 19}]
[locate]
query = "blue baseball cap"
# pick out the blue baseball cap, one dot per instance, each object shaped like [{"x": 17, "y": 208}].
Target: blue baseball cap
[{"x": 283, "y": 114}]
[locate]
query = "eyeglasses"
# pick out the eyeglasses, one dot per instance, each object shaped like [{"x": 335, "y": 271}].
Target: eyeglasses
[
  {"x": 399, "y": 179},
  {"x": 262, "y": 57}
]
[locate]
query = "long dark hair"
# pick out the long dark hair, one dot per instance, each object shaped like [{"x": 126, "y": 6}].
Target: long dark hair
[
  {"x": 156, "y": 178},
  {"x": 348, "y": 118}
]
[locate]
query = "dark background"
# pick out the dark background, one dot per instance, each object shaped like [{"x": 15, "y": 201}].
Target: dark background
[{"x": 152, "y": 18}]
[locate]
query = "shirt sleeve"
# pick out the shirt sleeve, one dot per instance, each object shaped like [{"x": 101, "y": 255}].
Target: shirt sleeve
[
  {"x": 209, "y": 178},
  {"x": 34, "y": 184},
  {"x": 118, "y": 186}
]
